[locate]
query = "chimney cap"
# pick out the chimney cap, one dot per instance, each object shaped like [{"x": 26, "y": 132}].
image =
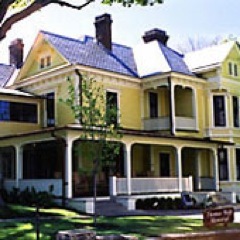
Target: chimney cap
[
  {"x": 16, "y": 41},
  {"x": 103, "y": 17},
  {"x": 156, "y": 34}
]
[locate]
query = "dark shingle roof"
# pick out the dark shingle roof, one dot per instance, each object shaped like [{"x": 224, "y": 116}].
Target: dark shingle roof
[
  {"x": 87, "y": 52},
  {"x": 175, "y": 60},
  {"x": 6, "y": 72},
  {"x": 120, "y": 60}
]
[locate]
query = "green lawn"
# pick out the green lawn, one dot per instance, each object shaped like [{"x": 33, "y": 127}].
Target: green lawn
[{"x": 139, "y": 226}]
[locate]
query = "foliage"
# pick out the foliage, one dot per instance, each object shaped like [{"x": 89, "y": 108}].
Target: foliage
[
  {"x": 99, "y": 124},
  {"x": 21, "y": 211},
  {"x": 159, "y": 203},
  {"x": 29, "y": 197},
  {"x": 99, "y": 135},
  {"x": 28, "y": 7},
  {"x": 139, "y": 226}
]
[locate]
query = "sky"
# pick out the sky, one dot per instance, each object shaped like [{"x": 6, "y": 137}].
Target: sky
[{"x": 181, "y": 19}]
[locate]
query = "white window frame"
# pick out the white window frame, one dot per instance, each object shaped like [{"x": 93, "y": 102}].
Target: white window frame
[
  {"x": 226, "y": 110},
  {"x": 118, "y": 101},
  {"x": 44, "y": 58},
  {"x": 233, "y": 69}
]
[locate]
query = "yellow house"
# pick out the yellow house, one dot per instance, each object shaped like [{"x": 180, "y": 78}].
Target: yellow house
[
  {"x": 219, "y": 66},
  {"x": 169, "y": 143}
]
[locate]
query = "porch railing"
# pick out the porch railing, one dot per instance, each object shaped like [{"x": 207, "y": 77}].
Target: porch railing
[
  {"x": 118, "y": 186},
  {"x": 163, "y": 123},
  {"x": 188, "y": 123}
]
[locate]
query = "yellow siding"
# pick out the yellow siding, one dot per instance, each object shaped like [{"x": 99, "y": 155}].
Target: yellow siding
[
  {"x": 10, "y": 127},
  {"x": 32, "y": 65},
  {"x": 130, "y": 108}
]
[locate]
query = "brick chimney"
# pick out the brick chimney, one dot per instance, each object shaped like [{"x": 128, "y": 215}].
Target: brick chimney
[
  {"x": 156, "y": 34},
  {"x": 16, "y": 53},
  {"x": 104, "y": 30}
]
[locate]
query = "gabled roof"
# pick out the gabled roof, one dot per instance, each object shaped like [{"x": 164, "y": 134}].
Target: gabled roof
[
  {"x": 156, "y": 58},
  {"x": 208, "y": 57},
  {"x": 89, "y": 53},
  {"x": 13, "y": 92},
  {"x": 6, "y": 71}
]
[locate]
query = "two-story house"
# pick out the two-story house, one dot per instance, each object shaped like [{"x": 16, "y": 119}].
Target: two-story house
[
  {"x": 219, "y": 65},
  {"x": 163, "y": 106}
]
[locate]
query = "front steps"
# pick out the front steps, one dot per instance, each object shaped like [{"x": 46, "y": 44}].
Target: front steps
[{"x": 110, "y": 208}]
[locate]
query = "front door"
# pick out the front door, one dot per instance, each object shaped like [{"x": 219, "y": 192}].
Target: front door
[{"x": 164, "y": 164}]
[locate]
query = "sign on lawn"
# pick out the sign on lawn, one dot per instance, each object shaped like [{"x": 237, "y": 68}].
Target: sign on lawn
[{"x": 214, "y": 216}]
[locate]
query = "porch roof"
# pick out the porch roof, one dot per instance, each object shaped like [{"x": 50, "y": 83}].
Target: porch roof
[{"x": 133, "y": 132}]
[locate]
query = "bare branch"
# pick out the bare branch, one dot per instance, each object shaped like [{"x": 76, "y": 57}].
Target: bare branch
[
  {"x": 35, "y": 6},
  {"x": 4, "y": 5},
  {"x": 66, "y": 4}
]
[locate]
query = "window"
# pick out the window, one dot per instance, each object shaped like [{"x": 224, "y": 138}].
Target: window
[
  {"x": 18, "y": 112},
  {"x": 164, "y": 165},
  {"x": 153, "y": 104},
  {"x": 112, "y": 107},
  {"x": 50, "y": 108},
  {"x": 42, "y": 63},
  {"x": 219, "y": 111},
  {"x": 48, "y": 61},
  {"x": 235, "y": 111},
  {"x": 7, "y": 163},
  {"x": 238, "y": 163},
  {"x": 223, "y": 164},
  {"x": 41, "y": 160},
  {"x": 233, "y": 69},
  {"x": 45, "y": 62}
]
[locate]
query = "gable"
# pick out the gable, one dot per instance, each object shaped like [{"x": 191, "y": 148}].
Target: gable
[
  {"x": 208, "y": 58},
  {"x": 42, "y": 57},
  {"x": 231, "y": 66}
]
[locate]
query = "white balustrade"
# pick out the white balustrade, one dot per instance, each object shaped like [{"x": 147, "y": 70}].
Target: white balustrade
[{"x": 149, "y": 185}]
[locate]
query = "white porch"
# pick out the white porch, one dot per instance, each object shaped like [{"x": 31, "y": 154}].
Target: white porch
[{"x": 118, "y": 186}]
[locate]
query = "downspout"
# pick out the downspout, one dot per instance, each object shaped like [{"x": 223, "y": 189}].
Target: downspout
[
  {"x": 171, "y": 119},
  {"x": 80, "y": 100},
  {"x": 63, "y": 146}
]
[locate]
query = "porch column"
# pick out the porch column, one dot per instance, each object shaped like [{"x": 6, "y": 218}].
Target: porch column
[
  {"x": 215, "y": 168},
  {"x": 19, "y": 164},
  {"x": 127, "y": 166},
  {"x": 172, "y": 108},
  {"x": 179, "y": 168},
  {"x": 68, "y": 168},
  {"x": 198, "y": 170}
]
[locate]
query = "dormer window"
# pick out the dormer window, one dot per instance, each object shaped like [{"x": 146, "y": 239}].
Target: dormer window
[
  {"x": 45, "y": 62},
  {"x": 233, "y": 69}
]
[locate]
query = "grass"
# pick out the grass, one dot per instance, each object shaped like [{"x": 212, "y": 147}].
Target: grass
[{"x": 140, "y": 226}]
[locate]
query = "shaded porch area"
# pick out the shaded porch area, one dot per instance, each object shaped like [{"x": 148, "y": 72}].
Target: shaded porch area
[{"x": 166, "y": 169}]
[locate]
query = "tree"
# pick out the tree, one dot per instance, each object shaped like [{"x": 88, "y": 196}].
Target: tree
[
  {"x": 27, "y": 7},
  {"x": 98, "y": 119},
  {"x": 194, "y": 44}
]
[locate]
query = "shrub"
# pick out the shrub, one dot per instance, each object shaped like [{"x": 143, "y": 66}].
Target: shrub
[
  {"x": 29, "y": 197},
  {"x": 139, "y": 204},
  {"x": 155, "y": 203}
]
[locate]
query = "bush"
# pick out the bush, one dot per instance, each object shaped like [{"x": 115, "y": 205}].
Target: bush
[
  {"x": 139, "y": 204},
  {"x": 29, "y": 197}
]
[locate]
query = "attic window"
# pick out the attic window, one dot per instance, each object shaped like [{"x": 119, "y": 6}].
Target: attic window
[
  {"x": 233, "y": 69},
  {"x": 45, "y": 62}
]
